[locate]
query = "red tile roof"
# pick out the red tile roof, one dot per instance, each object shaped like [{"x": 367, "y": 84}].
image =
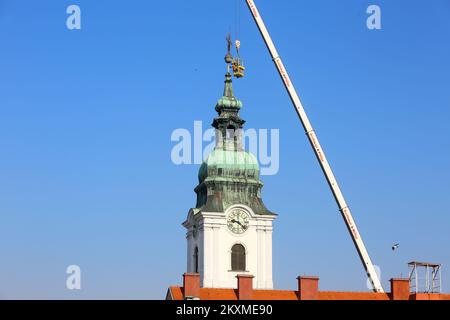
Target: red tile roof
[
  {"x": 275, "y": 295},
  {"x": 430, "y": 296},
  {"x": 176, "y": 293},
  {"x": 232, "y": 294},
  {"x": 337, "y": 295}
]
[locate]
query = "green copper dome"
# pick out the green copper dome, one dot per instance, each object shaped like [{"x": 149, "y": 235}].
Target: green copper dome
[{"x": 237, "y": 164}]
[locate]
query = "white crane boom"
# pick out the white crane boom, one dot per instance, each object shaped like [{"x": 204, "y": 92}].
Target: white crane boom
[{"x": 343, "y": 208}]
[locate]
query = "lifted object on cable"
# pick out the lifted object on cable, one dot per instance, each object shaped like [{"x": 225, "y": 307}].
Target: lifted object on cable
[
  {"x": 237, "y": 64},
  {"x": 238, "y": 67}
]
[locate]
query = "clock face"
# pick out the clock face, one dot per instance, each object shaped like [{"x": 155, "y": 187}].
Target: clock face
[{"x": 238, "y": 221}]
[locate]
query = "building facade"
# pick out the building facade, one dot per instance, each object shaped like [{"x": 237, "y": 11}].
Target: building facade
[{"x": 229, "y": 232}]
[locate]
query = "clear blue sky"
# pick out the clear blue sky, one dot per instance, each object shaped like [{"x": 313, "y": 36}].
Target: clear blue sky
[{"x": 86, "y": 118}]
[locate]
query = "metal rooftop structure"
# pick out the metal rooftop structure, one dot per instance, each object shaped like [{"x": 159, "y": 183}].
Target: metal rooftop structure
[{"x": 425, "y": 277}]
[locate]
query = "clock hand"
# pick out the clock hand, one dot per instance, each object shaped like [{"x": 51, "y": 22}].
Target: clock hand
[{"x": 237, "y": 221}]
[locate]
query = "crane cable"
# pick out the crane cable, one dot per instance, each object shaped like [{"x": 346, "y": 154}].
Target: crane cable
[{"x": 237, "y": 26}]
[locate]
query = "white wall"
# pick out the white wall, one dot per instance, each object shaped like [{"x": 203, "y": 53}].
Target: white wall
[{"x": 215, "y": 240}]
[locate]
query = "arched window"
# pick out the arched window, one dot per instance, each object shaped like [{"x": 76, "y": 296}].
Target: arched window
[
  {"x": 229, "y": 133},
  {"x": 238, "y": 257},
  {"x": 196, "y": 260}
]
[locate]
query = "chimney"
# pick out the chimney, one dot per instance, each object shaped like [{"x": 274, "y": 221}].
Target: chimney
[
  {"x": 308, "y": 288},
  {"x": 191, "y": 285},
  {"x": 245, "y": 286},
  {"x": 399, "y": 289}
]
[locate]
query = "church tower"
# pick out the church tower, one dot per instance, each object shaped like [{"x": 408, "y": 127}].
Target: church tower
[{"x": 229, "y": 231}]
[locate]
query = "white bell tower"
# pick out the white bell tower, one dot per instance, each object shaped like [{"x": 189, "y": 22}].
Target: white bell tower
[{"x": 229, "y": 231}]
